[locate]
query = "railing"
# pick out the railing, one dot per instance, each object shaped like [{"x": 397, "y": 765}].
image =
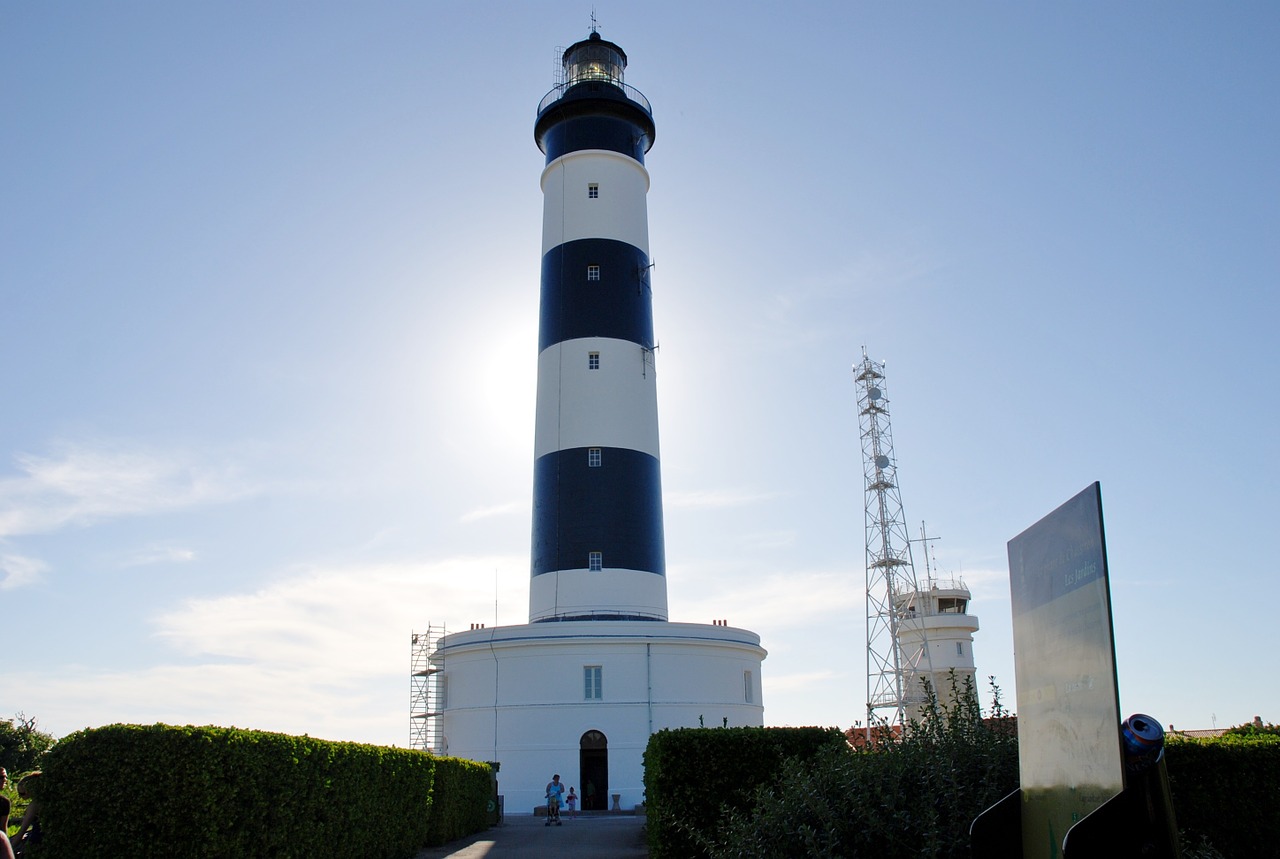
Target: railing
[
  {"x": 596, "y": 615},
  {"x": 559, "y": 90}
]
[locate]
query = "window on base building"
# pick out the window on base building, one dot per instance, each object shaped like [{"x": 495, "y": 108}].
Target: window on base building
[
  {"x": 595, "y": 562},
  {"x": 593, "y": 360},
  {"x": 959, "y": 649},
  {"x": 592, "y": 682},
  {"x": 593, "y": 272},
  {"x": 593, "y": 461},
  {"x": 593, "y": 190},
  {"x": 747, "y": 689}
]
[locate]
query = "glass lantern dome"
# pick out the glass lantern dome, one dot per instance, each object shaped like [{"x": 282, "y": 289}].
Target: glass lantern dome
[{"x": 594, "y": 59}]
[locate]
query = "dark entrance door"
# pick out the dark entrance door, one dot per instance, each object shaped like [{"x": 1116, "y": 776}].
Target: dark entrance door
[{"x": 593, "y": 769}]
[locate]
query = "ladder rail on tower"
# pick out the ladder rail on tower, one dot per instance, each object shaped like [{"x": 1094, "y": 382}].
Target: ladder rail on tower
[
  {"x": 894, "y": 671},
  {"x": 426, "y": 692}
]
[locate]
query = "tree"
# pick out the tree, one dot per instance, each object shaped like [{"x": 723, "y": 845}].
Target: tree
[
  {"x": 1254, "y": 728},
  {"x": 22, "y": 744}
]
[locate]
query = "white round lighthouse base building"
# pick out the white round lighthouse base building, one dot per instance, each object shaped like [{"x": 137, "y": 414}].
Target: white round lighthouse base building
[{"x": 580, "y": 698}]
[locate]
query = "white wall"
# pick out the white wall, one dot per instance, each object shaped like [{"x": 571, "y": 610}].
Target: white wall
[
  {"x": 516, "y": 696},
  {"x": 614, "y": 406},
  {"x": 620, "y": 212},
  {"x": 567, "y": 592}
]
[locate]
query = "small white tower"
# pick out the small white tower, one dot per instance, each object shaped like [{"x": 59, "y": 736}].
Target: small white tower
[
  {"x": 598, "y": 668},
  {"x": 937, "y": 617}
]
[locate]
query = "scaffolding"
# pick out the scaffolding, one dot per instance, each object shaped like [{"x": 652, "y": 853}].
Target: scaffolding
[
  {"x": 896, "y": 663},
  {"x": 426, "y": 692}
]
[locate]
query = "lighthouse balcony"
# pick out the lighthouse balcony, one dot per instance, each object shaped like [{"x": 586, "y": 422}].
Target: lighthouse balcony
[
  {"x": 595, "y": 89},
  {"x": 594, "y": 114},
  {"x": 932, "y": 624}
]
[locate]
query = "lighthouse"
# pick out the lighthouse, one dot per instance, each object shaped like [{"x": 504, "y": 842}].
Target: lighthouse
[
  {"x": 597, "y": 494},
  {"x": 599, "y": 667}
]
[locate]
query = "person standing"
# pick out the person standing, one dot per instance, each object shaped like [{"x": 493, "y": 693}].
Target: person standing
[
  {"x": 29, "y": 831},
  {"x": 555, "y": 790},
  {"x": 572, "y": 801}
]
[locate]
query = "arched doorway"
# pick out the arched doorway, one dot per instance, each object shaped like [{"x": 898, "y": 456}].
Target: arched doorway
[{"x": 593, "y": 771}]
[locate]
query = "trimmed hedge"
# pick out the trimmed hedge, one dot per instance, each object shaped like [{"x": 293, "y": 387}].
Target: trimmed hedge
[
  {"x": 1226, "y": 790},
  {"x": 460, "y": 797},
  {"x": 691, "y": 774},
  {"x": 164, "y": 791}
]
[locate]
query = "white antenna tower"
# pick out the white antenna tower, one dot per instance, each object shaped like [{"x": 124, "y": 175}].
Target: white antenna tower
[{"x": 894, "y": 672}]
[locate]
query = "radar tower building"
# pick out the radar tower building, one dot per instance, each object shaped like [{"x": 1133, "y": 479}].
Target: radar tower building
[{"x": 916, "y": 633}]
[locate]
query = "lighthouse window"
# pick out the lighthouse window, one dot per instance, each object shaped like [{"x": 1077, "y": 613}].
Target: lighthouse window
[
  {"x": 959, "y": 649},
  {"x": 593, "y": 360},
  {"x": 592, "y": 685},
  {"x": 593, "y": 190},
  {"x": 593, "y": 272},
  {"x": 593, "y": 457},
  {"x": 747, "y": 687},
  {"x": 595, "y": 562}
]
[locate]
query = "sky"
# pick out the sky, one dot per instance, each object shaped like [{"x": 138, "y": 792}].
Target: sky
[{"x": 268, "y": 335}]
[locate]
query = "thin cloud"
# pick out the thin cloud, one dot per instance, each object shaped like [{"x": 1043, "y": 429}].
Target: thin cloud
[
  {"x": 149, "y": 555},
  {"x": 496, "y": 510},
  {"x": 79, "y": 485},
  {"x": 18, "y": 571},
  {"x": 323, "y": 652},
  {"x": 274, "y": 698},
  {"x": 768, "y": 603},
  {"x": 334, "y": 623}
]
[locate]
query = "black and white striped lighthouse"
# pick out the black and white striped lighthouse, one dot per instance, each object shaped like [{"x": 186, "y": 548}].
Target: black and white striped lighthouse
[
  {"x": 583, "y": 695},
  {"x": 597, "y": 493}
]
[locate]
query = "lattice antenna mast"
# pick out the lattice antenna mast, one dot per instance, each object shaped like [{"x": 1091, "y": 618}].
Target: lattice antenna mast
[{"x": 893, "y": 596}]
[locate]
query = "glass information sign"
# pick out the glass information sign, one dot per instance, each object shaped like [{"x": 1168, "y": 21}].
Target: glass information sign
[{"x": 1069, "y": 746}]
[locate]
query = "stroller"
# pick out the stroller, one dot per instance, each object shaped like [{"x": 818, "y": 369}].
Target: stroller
[{"x": 553, "y": 809}]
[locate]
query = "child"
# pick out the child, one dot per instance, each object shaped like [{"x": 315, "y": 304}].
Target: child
[{"x": 572, "y": 801}]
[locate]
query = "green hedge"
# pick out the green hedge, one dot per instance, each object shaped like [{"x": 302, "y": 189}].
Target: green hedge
[
  {"x": 690, "y": 774},
  {"x": 165, "y": 791},
  {"x": 1226, "y": 791},
  {"x": 460, "y": 799}
]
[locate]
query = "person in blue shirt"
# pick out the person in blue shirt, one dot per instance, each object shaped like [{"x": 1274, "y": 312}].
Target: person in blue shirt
[{"x": 555, "y": 790}]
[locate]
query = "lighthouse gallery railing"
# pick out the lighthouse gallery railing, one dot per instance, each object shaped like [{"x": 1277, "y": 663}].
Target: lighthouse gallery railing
[{"x": 629, "y": 91}]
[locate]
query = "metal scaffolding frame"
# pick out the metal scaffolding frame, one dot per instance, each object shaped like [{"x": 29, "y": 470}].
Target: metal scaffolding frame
[{"x": 426, "y": 692}]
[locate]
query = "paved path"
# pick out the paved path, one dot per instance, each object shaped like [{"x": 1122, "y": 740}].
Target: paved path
[{"x": 587, "y": 837}]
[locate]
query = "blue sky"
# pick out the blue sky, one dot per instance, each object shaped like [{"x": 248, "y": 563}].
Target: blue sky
[{"x": 268, "y": 308}]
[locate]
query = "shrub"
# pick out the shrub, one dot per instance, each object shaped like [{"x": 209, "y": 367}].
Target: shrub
[
  {"x": 131, "y": 790},
  {"x": 1226, "y": 792},
  {"x": 908, "y": 796},
  {"x": 690, "y": 774},
  {"x": 460, "y": 799}
]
